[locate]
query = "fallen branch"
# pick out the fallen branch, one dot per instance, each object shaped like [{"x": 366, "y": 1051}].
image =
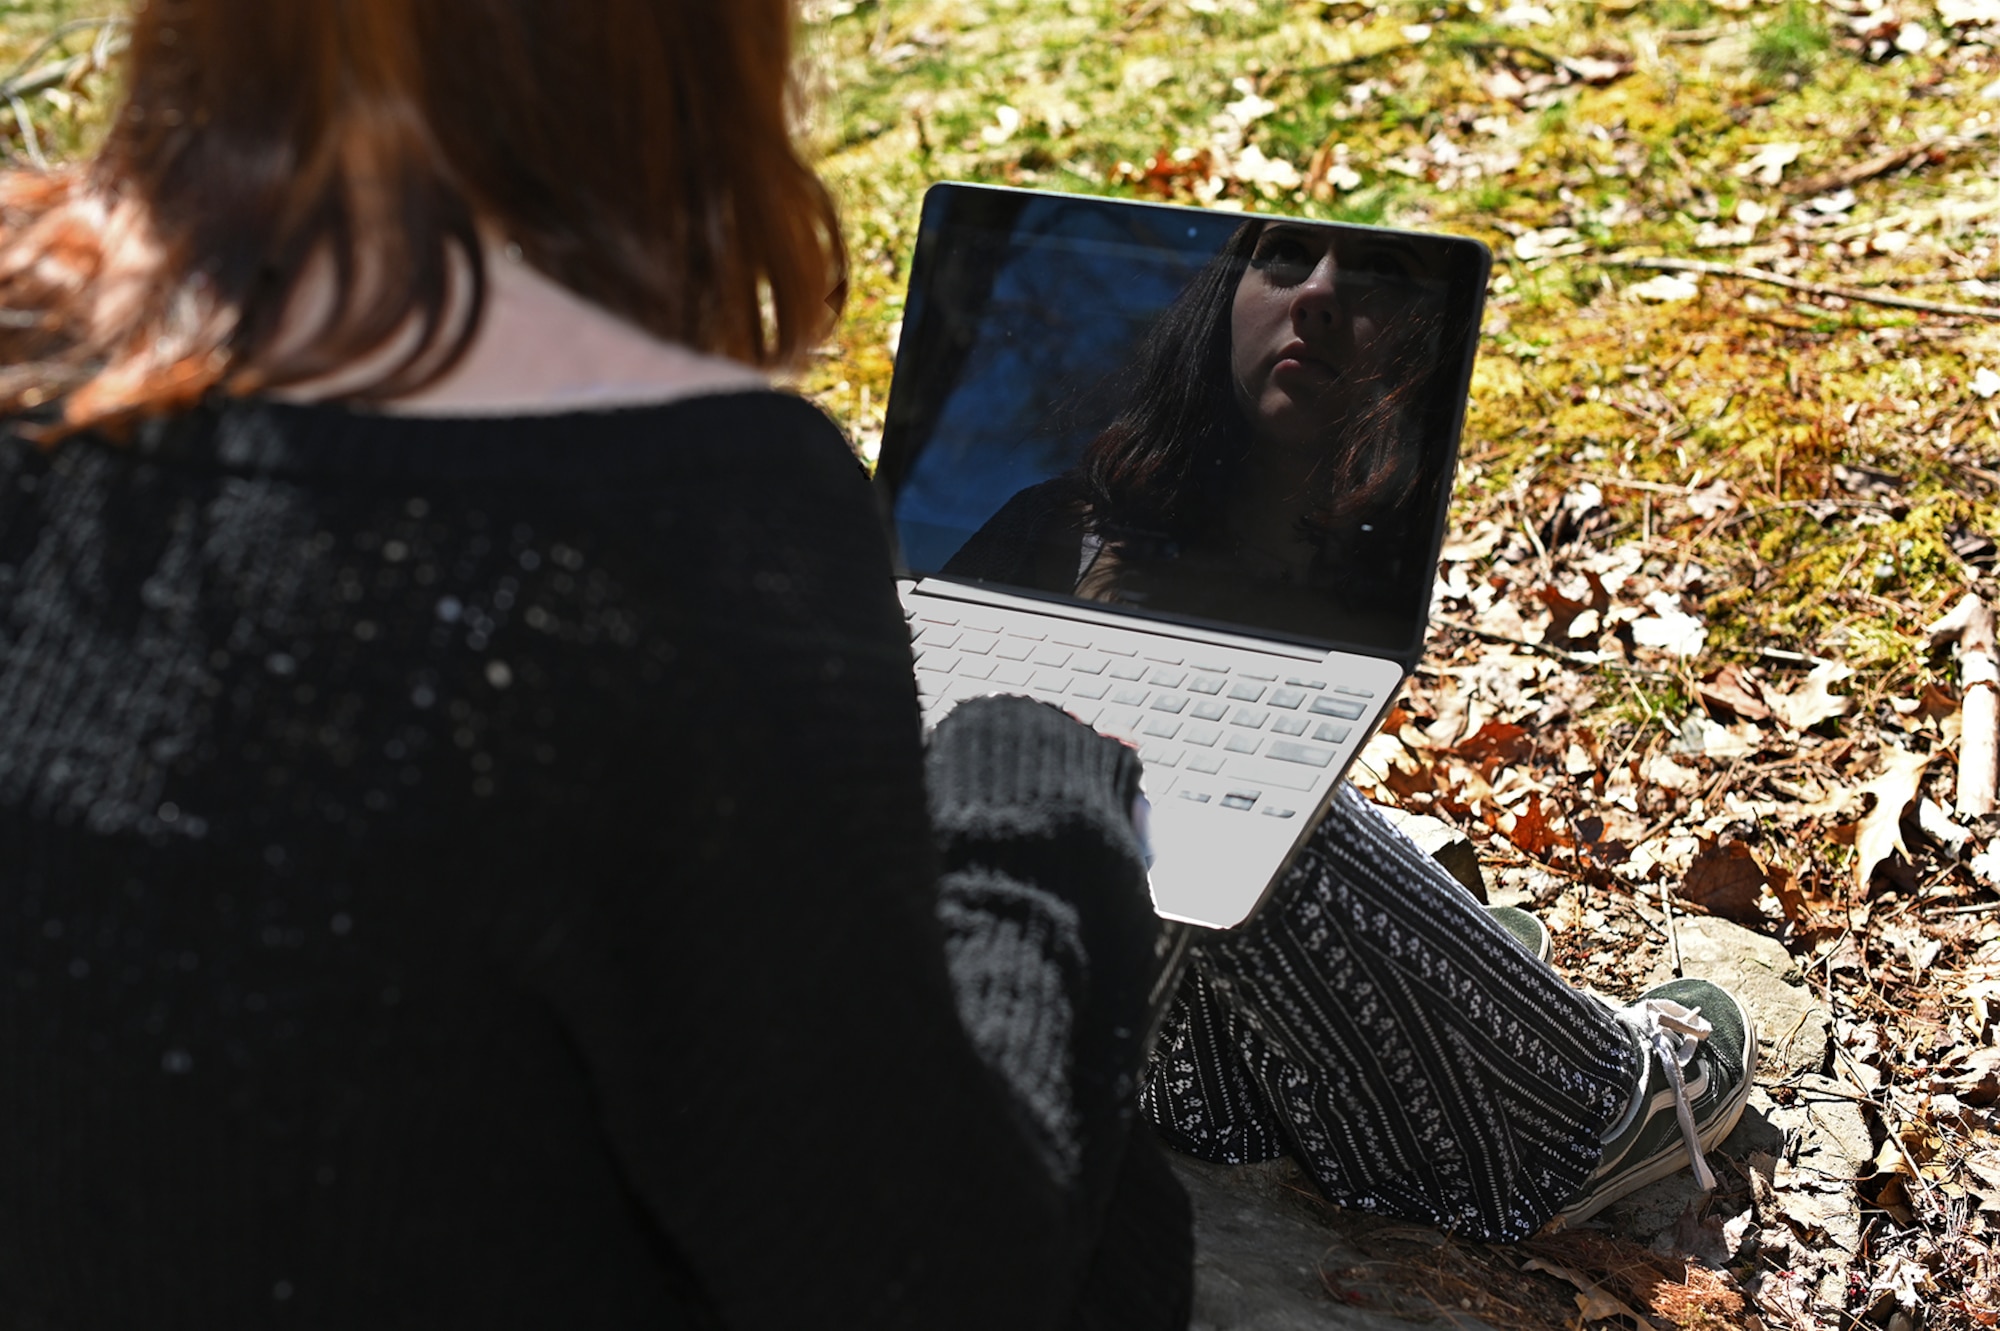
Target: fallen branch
[
  {"x": 1587, "y": 661},
  {"x": 1883, "y": 163},
  {"x": 1970, "y": 624},
  {"x": 1810, "y": 288}
]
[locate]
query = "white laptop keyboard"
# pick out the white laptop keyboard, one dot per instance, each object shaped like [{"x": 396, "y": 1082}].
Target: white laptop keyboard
[{"x": 1241, "y": 729}]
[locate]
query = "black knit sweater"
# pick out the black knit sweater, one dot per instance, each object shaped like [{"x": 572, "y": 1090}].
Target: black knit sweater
[{"x": 477, "y": 873}]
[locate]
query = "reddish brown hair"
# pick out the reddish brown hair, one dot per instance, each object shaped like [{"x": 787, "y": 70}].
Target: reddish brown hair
[{"x": 637, "y": 151}]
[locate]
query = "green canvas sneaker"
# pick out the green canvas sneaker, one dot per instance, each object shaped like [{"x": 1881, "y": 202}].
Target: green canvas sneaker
[
  {"x": 1527, "y": 928},
  {"x": 1700, "y": 1048}
]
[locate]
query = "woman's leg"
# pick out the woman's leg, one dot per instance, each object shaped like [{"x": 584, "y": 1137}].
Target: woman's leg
[{"x": 1376, "y": 1023}]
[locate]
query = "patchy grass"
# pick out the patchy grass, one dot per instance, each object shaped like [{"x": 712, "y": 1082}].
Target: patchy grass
[{"x": 1791, "y": 44}]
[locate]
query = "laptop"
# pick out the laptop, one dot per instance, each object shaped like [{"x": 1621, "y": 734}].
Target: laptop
[{"x": 1183, "y": 473}]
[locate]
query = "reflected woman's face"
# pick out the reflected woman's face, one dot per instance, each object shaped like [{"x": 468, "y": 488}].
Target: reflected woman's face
[{"x": 1304, "y": 330}]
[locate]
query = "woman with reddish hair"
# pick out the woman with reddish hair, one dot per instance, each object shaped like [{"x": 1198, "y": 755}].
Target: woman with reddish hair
[{"x": 463, "y": 823}]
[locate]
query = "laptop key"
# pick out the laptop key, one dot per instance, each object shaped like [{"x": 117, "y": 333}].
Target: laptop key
[
  {"x": 1089, "y": 688},
  {"x": 1288, "y": 697},
  {"x": 1264, "y": 772},
  {"x": 1087, "y": 714},
  {"x": 1307, "y": 683},
  {"x": 1206, "y": 763},
  {"x": 937, "y": 617},
  {"x": 1129, "y": 696},
  {"x": 1210, "y": 709},
  {"x": 1206, "y": 684},
  {"x": 1198, "y": 796},
  {"x": 1242, "y": 743},
  {"x": 1162, "y": 727},
  {"x": 1160, "y": 655},
  {"x": 983, "y": 623},
  {"x": 1050, "y": 681},
  {"x": 1353, "y": 692},
  {"x": 939, "y": 663},
  {"x": 1069, "y": 638},
  {"x": 1211, "y": 666},
  {"x": 977, "y": 643},
  {"x": 1122, "y": 721},
  {"x": 1159, "y": 755},
  {"x": 1014, "y": 649},
  {"x": 1340, "y": 707},
  {"x": 1332, "y": 732},
  {"x": 1026, "y": 631},
  {"x": 935, "y": 635},
  {"x": 1246, "y": 692},
  {"x": 1012, "y": 672},
  {"x": 1291, "y": 723},
  {"x": 1205, "y": 736},
  {"x": 1291, "y": 751},
  {"x": 1275, "y": 812},
  {"x": 1169, "y": 702},
  {"x": 1126, "y": 670},
  {"x": 1167, "y": 679},
  {"x": 976, "y": 667},
  {"x": 1088, "y": 665},
  {"x": 1257, "y": 675},
  {"x": 1057, "y": 657},
  {"x": 1250, "y": 717},
  {"x": 1237, "y": 799}
]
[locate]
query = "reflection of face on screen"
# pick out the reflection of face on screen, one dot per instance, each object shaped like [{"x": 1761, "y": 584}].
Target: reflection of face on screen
[
  {"x": 1306, "y": 324},
  {"x": 1270, "y": 441},
  {"x": 1267, "y": 425}
]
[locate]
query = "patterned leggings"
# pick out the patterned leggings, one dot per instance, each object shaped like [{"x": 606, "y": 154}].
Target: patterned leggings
[{"x": 1376, "y": 1024}]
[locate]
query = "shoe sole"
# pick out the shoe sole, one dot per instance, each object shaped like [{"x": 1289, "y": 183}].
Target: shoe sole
[{"x": 1620, "y": 1186}]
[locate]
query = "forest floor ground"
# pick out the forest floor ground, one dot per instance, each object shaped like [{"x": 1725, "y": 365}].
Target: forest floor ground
[{"x": 1733, "y": 449}]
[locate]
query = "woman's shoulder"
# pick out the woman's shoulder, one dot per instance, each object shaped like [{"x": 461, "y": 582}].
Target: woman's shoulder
[{"x": 777, "y": 436}]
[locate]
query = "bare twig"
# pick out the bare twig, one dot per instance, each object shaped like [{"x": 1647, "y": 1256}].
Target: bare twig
[
  {"x": 1673, "y": 933},
  {"x": 1708, "y": 269},
  {"x": 29, "y": 139},
  {"x": 1573, "y": 658},
  {"x": 1883, "y": 163},
  {"x": 49, "y": 43},
  {"x": 1141, "y": 14}
]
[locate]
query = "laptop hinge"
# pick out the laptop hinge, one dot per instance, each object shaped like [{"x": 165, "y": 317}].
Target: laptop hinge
[{"x": 946, "y": 589}]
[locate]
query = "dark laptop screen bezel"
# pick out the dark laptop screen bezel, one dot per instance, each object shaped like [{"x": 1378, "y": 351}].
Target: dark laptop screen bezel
[{"x": 954, "y": 214}]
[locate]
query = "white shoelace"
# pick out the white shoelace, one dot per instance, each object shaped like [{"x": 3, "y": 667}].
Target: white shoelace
[{"x": 1674, "y": 1033}]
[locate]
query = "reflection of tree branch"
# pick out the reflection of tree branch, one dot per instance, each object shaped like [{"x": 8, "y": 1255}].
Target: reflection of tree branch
[{"x": 1810, "y": 288}]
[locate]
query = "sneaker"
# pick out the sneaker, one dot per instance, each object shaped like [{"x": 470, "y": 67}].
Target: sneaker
[
  {"x": 1528, "y": 930},
  {"x": 1700, "y": 1045}
]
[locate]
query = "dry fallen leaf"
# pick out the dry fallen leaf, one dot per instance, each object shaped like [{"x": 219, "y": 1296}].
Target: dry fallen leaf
[
  {"x": 1880, "y": 834},
  {"x": 1814, "y": 700},
  {"x": 1593, "y": 1301},
  {"x": 1734, "y": 690},
  {"x": 1726, "y": 880}
]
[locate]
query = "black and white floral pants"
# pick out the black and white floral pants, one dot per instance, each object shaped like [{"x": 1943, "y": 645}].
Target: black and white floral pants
[{"x": 1374, "y": 1022}]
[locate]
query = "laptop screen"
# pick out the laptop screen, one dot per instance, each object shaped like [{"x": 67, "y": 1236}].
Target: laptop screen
[{"x": 1230, "y": 420}]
